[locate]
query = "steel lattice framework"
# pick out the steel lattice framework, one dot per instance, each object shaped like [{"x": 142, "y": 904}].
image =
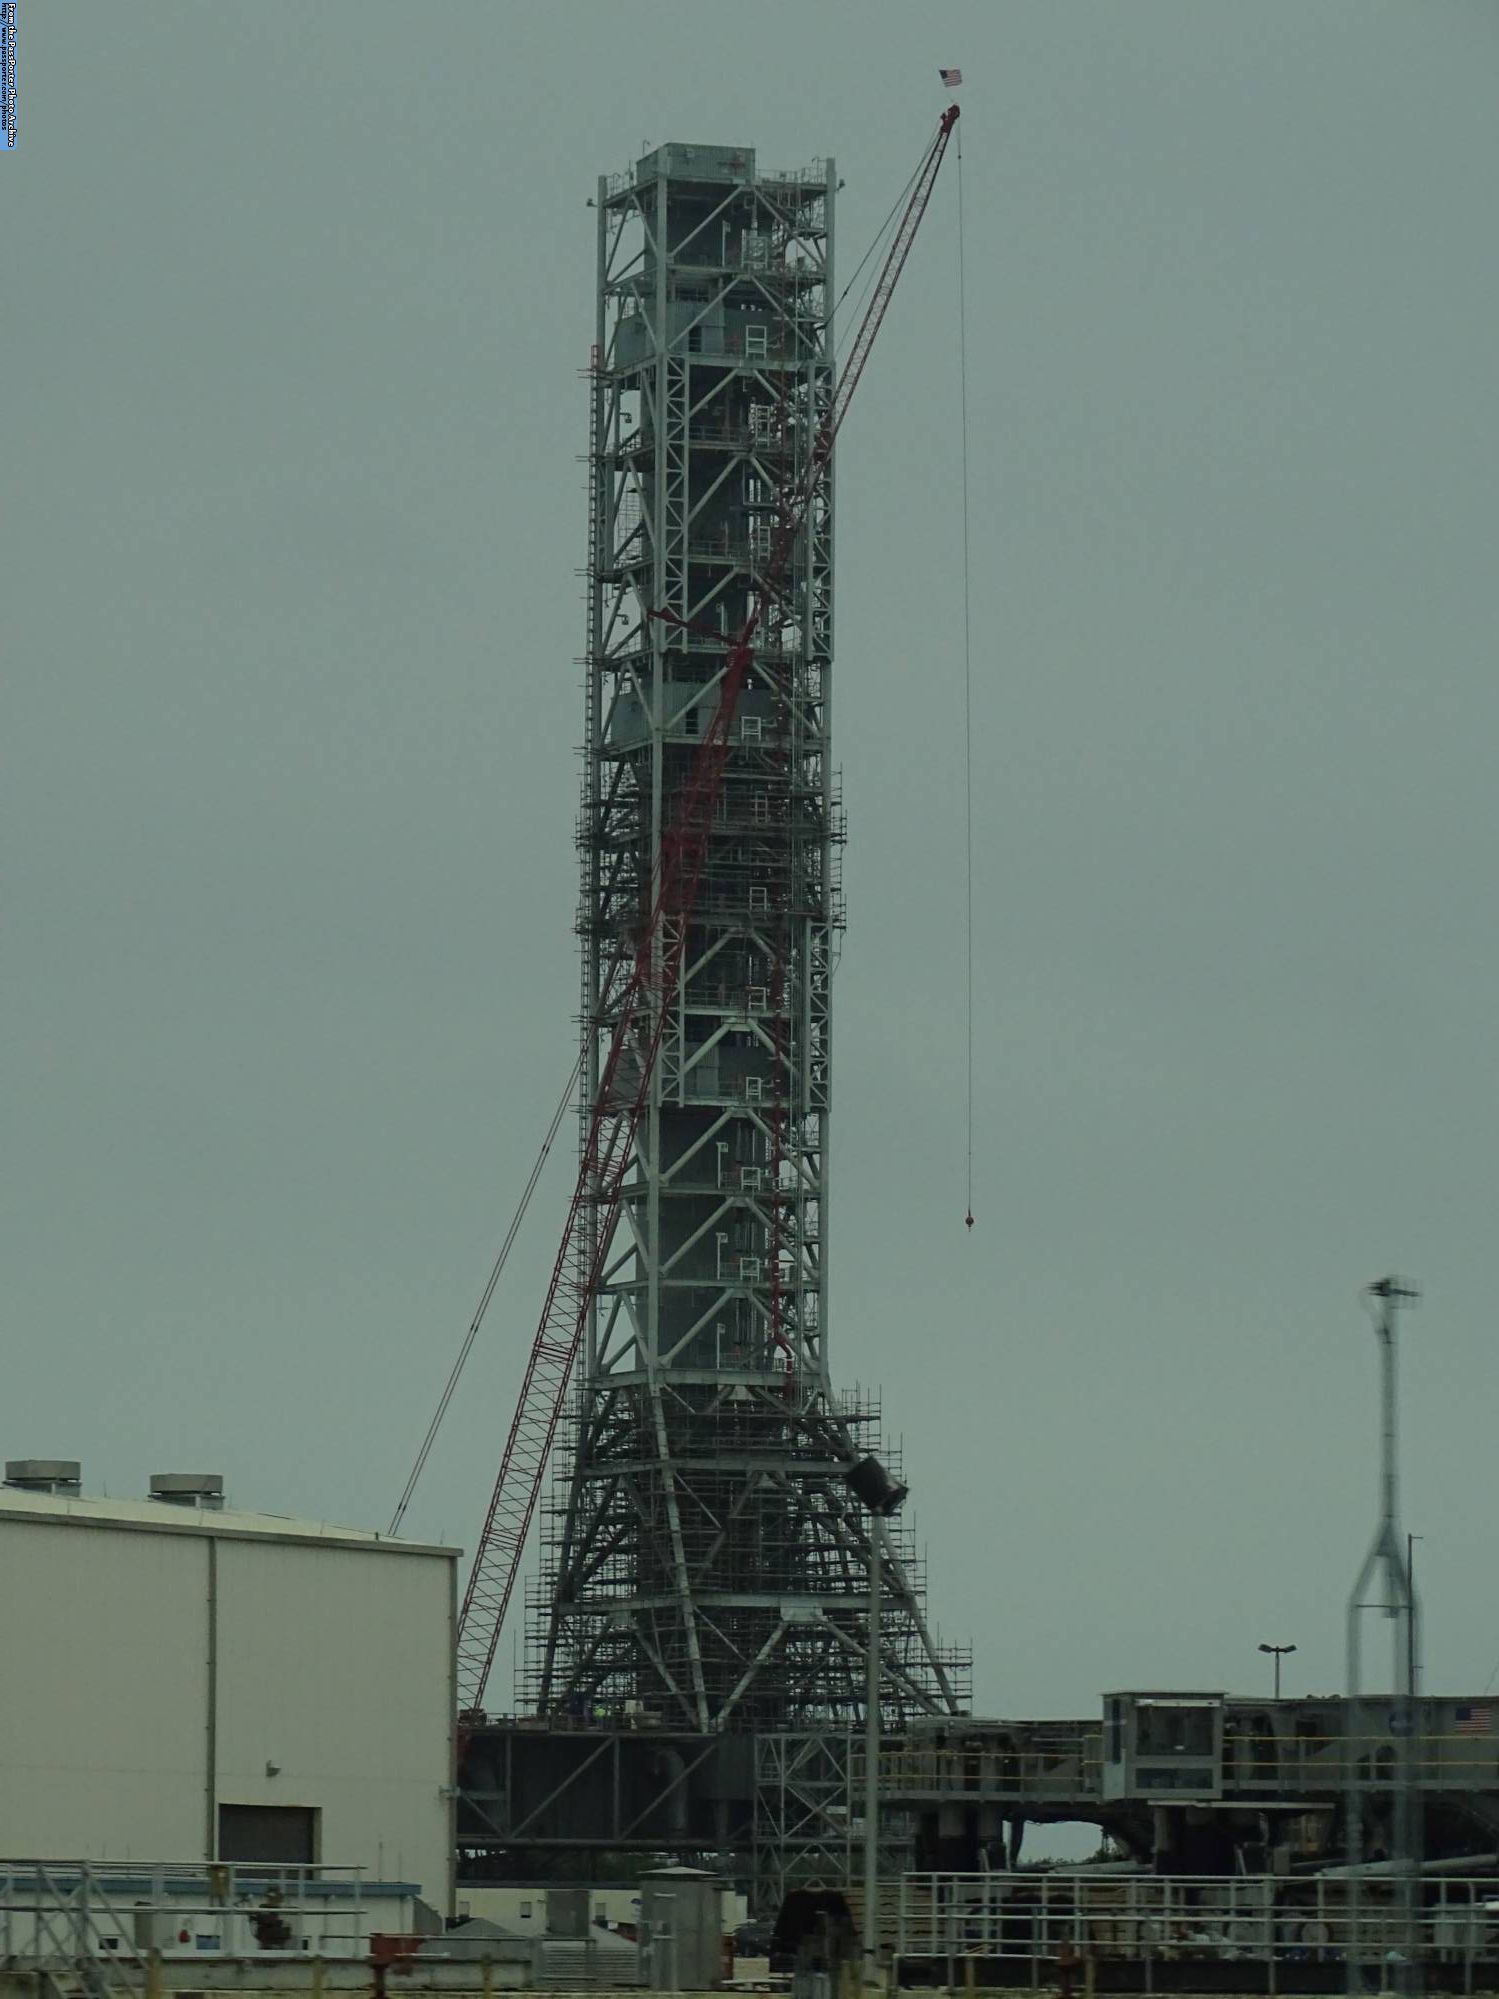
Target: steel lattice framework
[{"x": 704, "y": 1559}]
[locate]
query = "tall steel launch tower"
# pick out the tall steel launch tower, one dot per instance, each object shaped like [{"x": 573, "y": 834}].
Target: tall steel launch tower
[{"x": 704, "y": 1560}]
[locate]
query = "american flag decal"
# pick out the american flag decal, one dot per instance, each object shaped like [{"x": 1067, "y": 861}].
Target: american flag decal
[{"x": 1473, "y": 1720}]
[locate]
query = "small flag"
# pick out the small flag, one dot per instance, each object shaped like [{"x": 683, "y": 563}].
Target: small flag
[
  {"x": 1473, "y": 1720},
  {"x": 951, "y": 77}
]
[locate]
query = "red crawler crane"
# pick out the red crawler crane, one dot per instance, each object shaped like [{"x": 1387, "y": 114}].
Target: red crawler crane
[{"x": 640, "y": 998}]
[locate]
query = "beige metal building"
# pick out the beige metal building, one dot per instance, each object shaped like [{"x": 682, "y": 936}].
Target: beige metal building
[{"x": 182, "y": 1682}]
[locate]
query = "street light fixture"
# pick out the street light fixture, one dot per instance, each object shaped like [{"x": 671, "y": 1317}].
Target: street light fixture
[
  {"x": 1279, "y": 1652},
  {"x": 883, "y": 1496}
]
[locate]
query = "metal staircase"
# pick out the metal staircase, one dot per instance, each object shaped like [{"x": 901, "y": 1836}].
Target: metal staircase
[{"x": 63, "y": 1926}]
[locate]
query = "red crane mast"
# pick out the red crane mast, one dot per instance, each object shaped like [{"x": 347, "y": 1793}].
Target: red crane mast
[{"x": 640, "y": 998}]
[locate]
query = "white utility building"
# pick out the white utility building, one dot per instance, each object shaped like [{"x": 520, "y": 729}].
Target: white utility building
[{"x": 182, "y": 1682}]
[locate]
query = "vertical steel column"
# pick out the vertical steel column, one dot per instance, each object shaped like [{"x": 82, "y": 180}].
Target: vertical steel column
[{"x": 872, "y": 1695}]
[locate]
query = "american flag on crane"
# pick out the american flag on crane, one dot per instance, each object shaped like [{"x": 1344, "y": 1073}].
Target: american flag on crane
[
  {"x": 1473, "y": 1721},
  {"x": 951, "y": 77}
]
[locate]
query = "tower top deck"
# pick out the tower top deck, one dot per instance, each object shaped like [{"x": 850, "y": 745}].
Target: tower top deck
[
  {"x": 680, "y": 162},
  {"x": 714, "y": 166}
]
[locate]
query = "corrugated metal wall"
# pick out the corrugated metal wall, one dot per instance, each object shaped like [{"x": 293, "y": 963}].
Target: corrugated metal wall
[{"x": 146, "y": 1677}]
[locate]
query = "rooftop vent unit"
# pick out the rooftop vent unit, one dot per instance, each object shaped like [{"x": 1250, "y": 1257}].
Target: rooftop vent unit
[
  {"x": 60, "y": 1475},
  {"x": 188, "y": 1488}
]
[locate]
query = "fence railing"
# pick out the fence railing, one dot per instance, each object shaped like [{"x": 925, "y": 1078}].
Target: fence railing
[
  {"x": 1027, "y": 1773},
  {"x": 1257, "y": 1918},
  {"x": 1251, "y": 1764},
  {"x": 113, "y": 1916}
]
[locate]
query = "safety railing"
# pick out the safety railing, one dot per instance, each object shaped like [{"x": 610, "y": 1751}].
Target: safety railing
[
  {"x": 741, "y": 436},
  {"x": 63, "y": 1927},
  {"x": 1039, "y": 1918},
  {"x": 1024, "y": 1765},
  {"x": 106, "y": 1919},
  {"x": 812, "y": 178},
  {"x": 1068, "y": 1770},
  {"x": 1447, "y": 1760}
]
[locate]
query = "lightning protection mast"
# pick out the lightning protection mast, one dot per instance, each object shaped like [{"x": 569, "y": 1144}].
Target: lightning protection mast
[
  {"x": 704, "y": 1561},
  {"x": 1383, "y": 1774}
]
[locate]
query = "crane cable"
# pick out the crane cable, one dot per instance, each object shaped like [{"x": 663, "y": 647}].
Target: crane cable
[
  {"x": 879, "y": 237},
  {"x": 875, "y": 242},
  {"x": 967, "y": 670},
  {"x": 489, "y": 1290}
]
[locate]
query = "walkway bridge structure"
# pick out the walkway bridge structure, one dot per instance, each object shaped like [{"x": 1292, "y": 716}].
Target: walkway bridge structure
[
  {"x": 1198, "y": 1782},
  {"x": 1183, "y": 1783}
]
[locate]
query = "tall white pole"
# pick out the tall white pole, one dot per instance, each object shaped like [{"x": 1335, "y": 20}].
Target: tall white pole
[{"x": 1384, "y": 1584}]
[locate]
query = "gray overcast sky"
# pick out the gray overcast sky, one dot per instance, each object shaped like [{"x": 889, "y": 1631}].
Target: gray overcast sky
[{"x": 295, "y": 304}]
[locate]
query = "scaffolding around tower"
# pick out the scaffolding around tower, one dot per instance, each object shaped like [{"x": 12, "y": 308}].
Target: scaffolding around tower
[{"x": 703, "y": 1559}]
